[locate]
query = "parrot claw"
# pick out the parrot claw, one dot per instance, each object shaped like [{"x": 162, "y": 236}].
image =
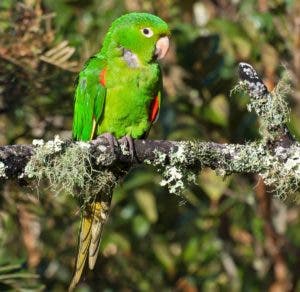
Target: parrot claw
[
  {"x": 128, "y": 141},
  {"x": 111, "y": 139}
]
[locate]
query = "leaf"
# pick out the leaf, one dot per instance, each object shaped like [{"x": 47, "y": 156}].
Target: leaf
[
  {"x": 141, "y": 226},
  {"x": 146, "y": 201},
  {"x": 191, "y": 250},
  {"x": 164, "y": 256},
  {"x": 218, "y": 111},
  {"x": 113, "y": 242},
  {"x": 213, "y": 184}
]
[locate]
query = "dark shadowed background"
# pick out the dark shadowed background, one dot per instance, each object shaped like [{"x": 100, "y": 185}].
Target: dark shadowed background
[{"x": 221, "y": 235}]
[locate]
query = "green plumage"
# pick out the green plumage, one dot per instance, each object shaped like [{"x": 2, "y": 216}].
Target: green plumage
[
  {"x": 89, "y": 99},
  {"x": 122, "y": 106},
  {"x": 118, "y": 92}
]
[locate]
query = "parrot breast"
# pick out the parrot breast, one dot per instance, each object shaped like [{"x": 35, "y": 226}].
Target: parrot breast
[{"x": 130, "y": 103}]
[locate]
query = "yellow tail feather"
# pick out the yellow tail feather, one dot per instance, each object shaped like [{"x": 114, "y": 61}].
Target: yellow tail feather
[
  {"x": 97, "y": 227},
  {"x": 89, "y": 239}
]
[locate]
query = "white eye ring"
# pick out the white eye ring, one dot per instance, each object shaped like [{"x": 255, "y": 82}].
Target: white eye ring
[{"x": 147, "y": 32}]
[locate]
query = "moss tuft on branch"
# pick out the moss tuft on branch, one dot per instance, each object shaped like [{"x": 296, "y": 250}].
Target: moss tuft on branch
[{"x": 69, "y": 169}]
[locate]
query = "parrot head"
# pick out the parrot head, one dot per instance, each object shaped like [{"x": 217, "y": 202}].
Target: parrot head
[{"x": 140, "y": 38}]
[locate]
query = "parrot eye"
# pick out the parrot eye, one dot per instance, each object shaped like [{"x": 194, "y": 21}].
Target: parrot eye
[{"x": 147, "y": 32}]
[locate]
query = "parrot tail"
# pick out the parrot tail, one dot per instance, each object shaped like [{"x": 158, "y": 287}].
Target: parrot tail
[{"x": 92, "y": 223}]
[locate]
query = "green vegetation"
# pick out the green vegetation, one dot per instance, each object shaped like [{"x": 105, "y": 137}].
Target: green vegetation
[{"x": 226, "y": 234}]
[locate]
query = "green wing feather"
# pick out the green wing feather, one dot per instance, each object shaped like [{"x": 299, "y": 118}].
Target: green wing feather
[
  {"x": 89, "y": 100},
  {"x": 89, "y": 103}
]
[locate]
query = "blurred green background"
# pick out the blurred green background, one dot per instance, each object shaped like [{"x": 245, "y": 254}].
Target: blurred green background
[{"x": 223, "y": 234}]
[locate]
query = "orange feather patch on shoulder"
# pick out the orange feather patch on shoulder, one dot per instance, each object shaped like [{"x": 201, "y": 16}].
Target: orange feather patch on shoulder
[
  {"x": 154, "y": 107},
  {"x": 102, "y": 79}
]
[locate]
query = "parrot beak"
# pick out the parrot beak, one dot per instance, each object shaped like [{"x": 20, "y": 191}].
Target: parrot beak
[{"x": 161, "y": 47}]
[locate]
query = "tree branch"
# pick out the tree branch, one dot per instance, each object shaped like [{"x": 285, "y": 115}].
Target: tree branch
[{"x": 276, "y": 156}]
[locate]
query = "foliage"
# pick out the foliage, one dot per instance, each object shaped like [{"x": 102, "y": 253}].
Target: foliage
[{"x": 220, "y": 235}]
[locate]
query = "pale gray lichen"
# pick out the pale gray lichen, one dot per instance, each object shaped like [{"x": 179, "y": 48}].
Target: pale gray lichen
[
  {"x": 2, "y": 170},
  {"x": 271, "y": 107},
  {"x": 69, "y": 169},
  {"x": 160, "y": 158},
  {"x": 239, "y": 87},
  {"x": 53, "y": 146},
  {"x": 173, "y": 179},
  {"x": 124, "y": 149},
  {"x": 176, "y": 174},
  {"x": 83, "y": 145},
  {"x": 282, "y": 172},
  {"x": 38, "y": 142},
  {"x": 101, "y": 148},
  {"x": 279, "y": 168}
]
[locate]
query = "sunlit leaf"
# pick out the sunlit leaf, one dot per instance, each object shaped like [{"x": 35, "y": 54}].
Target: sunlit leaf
[
  {"x": 213, "y": 184},
  {"x": 164, "y": 256},
  {"x": 147, "y": 203},
  {"x": 141, "y": 225},
  {"x": 217, "y": 112}
]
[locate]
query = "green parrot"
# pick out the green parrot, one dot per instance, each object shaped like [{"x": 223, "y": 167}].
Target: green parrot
[{"x": 118, "y": 95}]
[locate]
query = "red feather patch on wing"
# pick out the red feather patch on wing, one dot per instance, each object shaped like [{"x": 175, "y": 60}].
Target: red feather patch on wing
[
  {"x": 102, "y": 79},
  {"x": 154, "y": 107}
]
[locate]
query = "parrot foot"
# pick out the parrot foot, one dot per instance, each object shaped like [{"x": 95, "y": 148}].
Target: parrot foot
[
  {"x": 111, "y": 139},
  {"x": 128, "y": 141}
]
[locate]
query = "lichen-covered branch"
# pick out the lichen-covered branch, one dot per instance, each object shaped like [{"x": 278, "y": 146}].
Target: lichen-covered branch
[
  {"x": 271, "y": 107},
  {"x": 94, "y": 166}
]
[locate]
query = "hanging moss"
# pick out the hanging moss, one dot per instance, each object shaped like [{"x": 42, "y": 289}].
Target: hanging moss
[{"x": 69, "y": 169}]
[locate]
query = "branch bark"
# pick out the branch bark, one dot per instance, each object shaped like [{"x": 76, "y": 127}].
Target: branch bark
[{"x": 276, "y": 156}]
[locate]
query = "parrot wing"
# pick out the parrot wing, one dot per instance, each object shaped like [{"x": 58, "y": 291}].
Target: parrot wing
[
  {"x": 89, "y": 99},
  {"x": 89, "y": 104}
]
